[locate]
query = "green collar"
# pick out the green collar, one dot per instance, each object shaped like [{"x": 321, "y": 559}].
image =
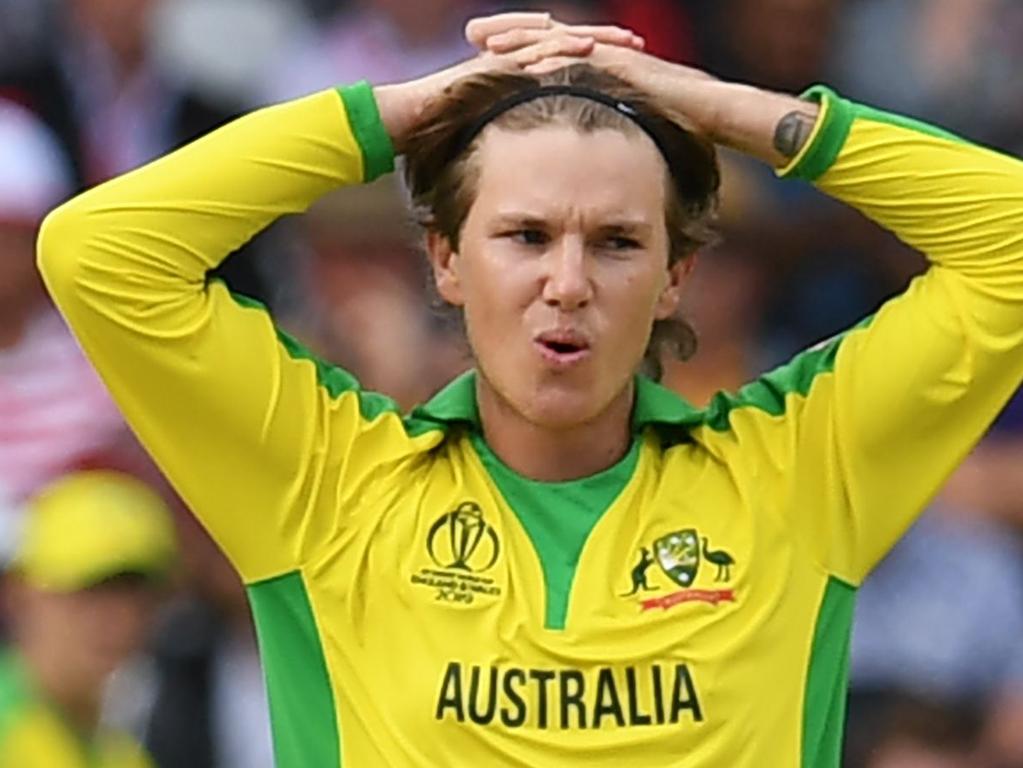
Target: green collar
[{"x": 655, "y": 405}]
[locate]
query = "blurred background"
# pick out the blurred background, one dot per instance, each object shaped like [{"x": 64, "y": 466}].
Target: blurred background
[{"x": 92, "y": 88}]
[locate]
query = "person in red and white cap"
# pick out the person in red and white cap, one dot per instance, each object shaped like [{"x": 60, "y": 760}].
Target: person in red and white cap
[{"x": 54, "y": 411}]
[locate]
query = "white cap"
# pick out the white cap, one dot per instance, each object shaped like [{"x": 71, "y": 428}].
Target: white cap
[{"x": 34, "y": 173}]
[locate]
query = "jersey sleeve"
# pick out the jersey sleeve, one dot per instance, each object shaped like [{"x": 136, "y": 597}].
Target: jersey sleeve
[
  {"x": 866, "y": 427},
  {"x": 264, "y": 443}
]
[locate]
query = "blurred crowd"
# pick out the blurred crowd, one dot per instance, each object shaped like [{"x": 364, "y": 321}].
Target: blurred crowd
[{"x": 118, "y": 609}]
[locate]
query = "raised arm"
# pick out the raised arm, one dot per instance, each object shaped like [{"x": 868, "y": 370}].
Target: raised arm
[
  {"x": 860, "y": 432},
  {"x": 244, "y": 424},
  {"x": 903, "y": 397}
]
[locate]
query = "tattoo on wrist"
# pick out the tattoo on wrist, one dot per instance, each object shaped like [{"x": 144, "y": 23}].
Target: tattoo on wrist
[{"x": 792, "y": 132}]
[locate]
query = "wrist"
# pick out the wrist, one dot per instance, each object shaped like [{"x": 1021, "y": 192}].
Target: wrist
[
  {"x": 395, "y": 113},
  {"x": 747, "y": 119}
]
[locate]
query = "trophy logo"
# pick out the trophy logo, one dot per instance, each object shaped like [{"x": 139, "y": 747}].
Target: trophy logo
[{"x": 462, "y": 540}]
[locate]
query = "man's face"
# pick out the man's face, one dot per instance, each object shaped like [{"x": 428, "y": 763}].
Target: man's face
[
  {"x": 562, "y": 267},
  {"x": 123, "y": 24},
  {"x": 93, "y": 630}
]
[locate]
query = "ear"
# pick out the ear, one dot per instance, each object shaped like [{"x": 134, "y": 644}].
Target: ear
[
  {"x": 445, "y": 263},
  {"x": 671, "y": 295}
]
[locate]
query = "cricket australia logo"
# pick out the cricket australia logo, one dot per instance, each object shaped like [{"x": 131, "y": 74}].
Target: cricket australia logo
[
  {"x": 680, "y": 555},
  {"x": 463, "y": 547}
]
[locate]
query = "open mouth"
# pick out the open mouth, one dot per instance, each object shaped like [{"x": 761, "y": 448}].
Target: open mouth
[{"x": 562, "y": 347}]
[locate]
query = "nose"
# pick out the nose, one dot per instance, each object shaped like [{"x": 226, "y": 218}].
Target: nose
[{"x": 567, "y": 284}]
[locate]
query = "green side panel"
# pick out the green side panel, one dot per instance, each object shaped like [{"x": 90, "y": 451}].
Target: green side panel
[
  {"x": 364, "y": 117},
  {"x": 14, "y": 695},
  {"x": 827, "y": 679},
  {"x": 558, "y": 518},
  {"x": 303, "y": 716},
  {"x": 828, "y": 141},
  {"x": 768, "y": 393}
]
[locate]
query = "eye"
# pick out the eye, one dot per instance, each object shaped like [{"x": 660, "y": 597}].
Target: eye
[
  {"x": 528, "y": 236},
  {"x": 620, "y": 243}
]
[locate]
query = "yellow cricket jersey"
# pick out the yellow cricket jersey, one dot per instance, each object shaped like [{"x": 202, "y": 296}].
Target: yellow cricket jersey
[
  {"x": 34, "y": 735},
  {"x": 418, "y": 603}
]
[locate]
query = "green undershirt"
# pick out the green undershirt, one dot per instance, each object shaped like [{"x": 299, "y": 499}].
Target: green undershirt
[{"x": 558, "y": 517}]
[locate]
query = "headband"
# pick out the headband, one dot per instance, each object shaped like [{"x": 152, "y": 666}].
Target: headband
[
  {"x": 624, "y": 108},
  {"x": 531, "y": 94}
]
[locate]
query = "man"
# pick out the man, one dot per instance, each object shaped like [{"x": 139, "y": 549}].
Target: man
[{"x": 83, "y": 586}]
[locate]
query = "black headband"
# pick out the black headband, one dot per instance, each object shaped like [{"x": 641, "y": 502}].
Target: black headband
[
  {"x": 531, "y": 94},
  {"x": 691, "y": 188}
]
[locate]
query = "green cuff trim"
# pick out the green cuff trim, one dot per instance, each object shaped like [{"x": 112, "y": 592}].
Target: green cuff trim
[
  {"x": 364, "y": 117},
  {"x": 828, "y": 137}
]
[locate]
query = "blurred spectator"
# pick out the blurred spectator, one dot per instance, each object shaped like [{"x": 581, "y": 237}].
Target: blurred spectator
[
  {"x": 724, "y": 302},
  {"x": 666, "y": 25},
  {"x": 923, "y": 624},
  {"x": 780, "y": 44},
  {"x": 53, "y": 409},
  {"x": 377, "y": 40},
  {"x": 94, "y": 80},
  {"x": 990, "y": 481},
  {"x": 370, "y": 307},
  {"x": 921, "y": 734},
  {"x": 82, "y": 593},
  {"x": 209, "y": 704},
  {"x": 955, "y": 62}
]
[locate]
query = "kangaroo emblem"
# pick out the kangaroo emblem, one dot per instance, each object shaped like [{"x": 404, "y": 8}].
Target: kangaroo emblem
[{"x": 639, "y": 573}]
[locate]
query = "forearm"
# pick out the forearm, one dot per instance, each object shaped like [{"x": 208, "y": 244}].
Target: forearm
[{"x": 772, "y": 127}]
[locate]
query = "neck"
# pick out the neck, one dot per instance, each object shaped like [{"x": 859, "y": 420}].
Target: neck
[
  {"x": 81, "y": 707},
  {"x": 549, "y": 454}
]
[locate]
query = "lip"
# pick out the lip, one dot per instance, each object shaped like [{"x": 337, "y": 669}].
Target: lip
[{"x": 545, "y": 345}]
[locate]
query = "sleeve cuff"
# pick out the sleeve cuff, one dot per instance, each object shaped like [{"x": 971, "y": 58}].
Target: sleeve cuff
[
  {"x": 364, "y": 117},
  {"x": 827, "y": 139}
]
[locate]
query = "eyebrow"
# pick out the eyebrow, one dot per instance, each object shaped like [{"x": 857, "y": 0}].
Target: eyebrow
[{"x": 625, "y": 226}]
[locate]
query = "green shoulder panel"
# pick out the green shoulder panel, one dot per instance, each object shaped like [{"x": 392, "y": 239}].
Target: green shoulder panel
[
  {"x": 337, "y": 381},
  {"x": 769, "y": 393},
  {"x": 14, "y": 695}
]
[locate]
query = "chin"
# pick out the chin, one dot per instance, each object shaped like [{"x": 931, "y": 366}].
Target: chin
[{"x": 563, "y": 405}]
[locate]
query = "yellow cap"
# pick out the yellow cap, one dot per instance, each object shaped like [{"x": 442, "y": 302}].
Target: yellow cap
[{"x": 90, "y": 526}]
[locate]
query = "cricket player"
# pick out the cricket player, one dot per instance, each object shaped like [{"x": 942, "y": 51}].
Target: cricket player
[
  {"x": 82, "y": 592},
  {"x": 555, "y": 561}
]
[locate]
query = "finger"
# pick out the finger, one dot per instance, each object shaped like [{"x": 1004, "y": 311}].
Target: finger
[
  {"x": 567, "y": 45},
  {"x": 513, "y": 39},
  {"x": 479, "y": 29},
  {"x": 602, "y": 33},
  {"x": 550, "y": 64}
]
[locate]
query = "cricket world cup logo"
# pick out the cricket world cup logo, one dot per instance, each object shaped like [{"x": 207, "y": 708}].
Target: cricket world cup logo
[{"x": 463, "y": 540}]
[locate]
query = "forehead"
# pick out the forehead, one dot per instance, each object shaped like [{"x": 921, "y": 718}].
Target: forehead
[{"x": 556, "y": 170}]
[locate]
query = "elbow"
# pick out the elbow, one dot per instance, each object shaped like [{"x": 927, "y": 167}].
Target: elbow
[{"x": 60, "y": 245}]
